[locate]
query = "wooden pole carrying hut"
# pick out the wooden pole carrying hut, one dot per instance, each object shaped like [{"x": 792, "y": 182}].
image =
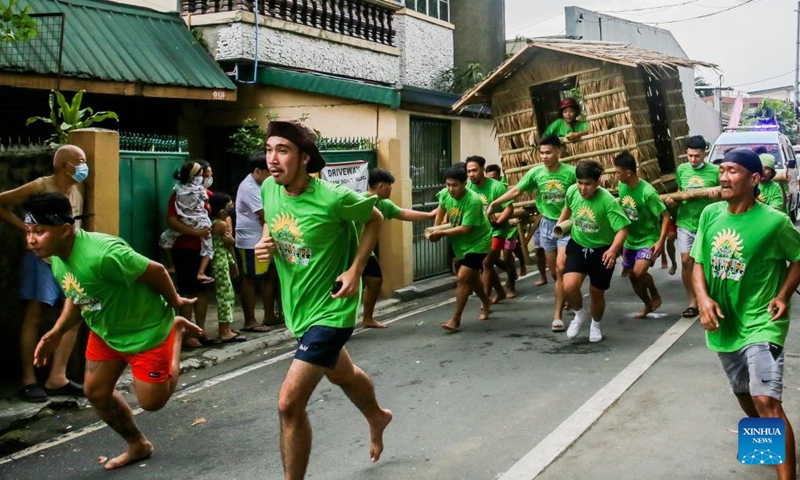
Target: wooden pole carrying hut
[{"x": 632, "y": 99}]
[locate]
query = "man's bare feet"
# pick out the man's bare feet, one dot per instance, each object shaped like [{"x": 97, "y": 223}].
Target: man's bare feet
[
  {"x": 542, "y": 281},
  {"x": 376, "y": 428},
  {"x": 655, "y": 302},
  {"x": 523, "y": 270},
  {"x": 499, "y": 297},
  {"x": 373, "y": 324},
  {"x": 451, "y": 326},
  {"x": 486, "y": 309},
  {"x": 647, "y": 309},
  {"x": 203, "y": 278},
  {"x": 673, "y": 269},
  {"x": 511, "y": 294},
  {"x": 135, "y": 452}
]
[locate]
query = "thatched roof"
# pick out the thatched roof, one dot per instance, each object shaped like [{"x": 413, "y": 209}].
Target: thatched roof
[{"x": 612, "y": 52}]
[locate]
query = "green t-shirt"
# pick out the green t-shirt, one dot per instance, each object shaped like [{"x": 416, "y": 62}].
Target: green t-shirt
[
  {"x": 467, "y": 211},
  {"x": 388, "y": 209},
  {"x": 772, "y": 195},
  {"x": 100, "y": 278},
  {"x": 488, "y": 193},
  {"x": 317, "y": 239},
  {"x": 745, "y": 268},
  {"x": 551, "y": 188},
  {"x": 561, "y": 129},
  {"x": 643, "y": 207},
  {"x": 688, "y": 178},
  {"x": 597, "y": 220}
]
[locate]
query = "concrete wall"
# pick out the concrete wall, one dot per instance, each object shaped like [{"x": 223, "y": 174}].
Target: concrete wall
[
  {"x": 426, "y": 45},
  {"x": 478, "y": 19},
  {"x": 588, "y": 25}
]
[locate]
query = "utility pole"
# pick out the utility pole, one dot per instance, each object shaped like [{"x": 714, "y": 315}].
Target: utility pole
[{"x": 797, "y": 59}]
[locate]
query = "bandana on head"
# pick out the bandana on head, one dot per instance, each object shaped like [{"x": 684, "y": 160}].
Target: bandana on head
[
  {"x": 49, "y": 219},
  {"x": 746, "y": 158}
]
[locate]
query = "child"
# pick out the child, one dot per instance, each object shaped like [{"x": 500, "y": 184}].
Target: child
[
  {"x": 598, "y": 234},
  {"x": 223, "y": 265},
  {"x": 190, "y": 202}
]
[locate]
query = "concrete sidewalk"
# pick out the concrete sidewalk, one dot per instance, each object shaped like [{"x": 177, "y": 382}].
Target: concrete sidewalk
[{"x": 15, "y": 410}]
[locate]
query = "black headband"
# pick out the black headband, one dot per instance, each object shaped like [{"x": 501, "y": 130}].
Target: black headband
[{"x": 49, "y": 219}]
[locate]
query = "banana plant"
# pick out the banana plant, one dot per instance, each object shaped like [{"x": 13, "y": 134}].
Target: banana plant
[{"x": 67, "y": 116}]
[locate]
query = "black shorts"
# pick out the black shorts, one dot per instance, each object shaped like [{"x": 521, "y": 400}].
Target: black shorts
[
  {"x": 589, "y": 261},
  {"x": 321, "y": 345},
  {"x": 373, "y": 268},
  {"x": 473, "y": 261},
  {"x": 187, "y": 263}
]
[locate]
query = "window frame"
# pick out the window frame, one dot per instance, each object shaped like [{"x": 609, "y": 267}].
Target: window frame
[{"x": 421, "y": 6}]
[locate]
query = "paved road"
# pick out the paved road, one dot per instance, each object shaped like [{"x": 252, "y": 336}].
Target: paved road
[{"x": 502, "y": 398}]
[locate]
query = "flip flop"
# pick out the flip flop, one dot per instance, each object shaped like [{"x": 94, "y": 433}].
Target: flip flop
[
  {"x": 690, "y": 312},
  {"x": 234, "y": 339},
  {"x": 450, "y": 329},
  {"x": 257, "y": 329},
  {"x": 33, "y": 393},
  {"x": 71, "y": 389}
]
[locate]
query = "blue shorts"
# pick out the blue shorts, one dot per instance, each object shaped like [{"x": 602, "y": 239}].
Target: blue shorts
[
  {"x": 630, "y": 257},
  {"x": 321, "y": 345},
  {"x": 37, "y": 282},
  {"x": 546, "y": 238}
]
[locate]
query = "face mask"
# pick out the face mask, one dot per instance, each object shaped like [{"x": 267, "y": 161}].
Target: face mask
[
  {"x": 208, "y": 182},
  {"x": 702, "y": 164},
  {"x": 81, "y": 172},
  {"x": 197, "y": 181}
]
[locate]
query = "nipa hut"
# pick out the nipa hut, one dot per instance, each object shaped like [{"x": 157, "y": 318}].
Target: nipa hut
[{"x": 632, "y": 100}]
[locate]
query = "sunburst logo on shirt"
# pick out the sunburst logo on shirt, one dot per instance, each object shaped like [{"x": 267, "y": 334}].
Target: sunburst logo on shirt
[
  {"x": 72, "y": 288},
  {"x": 454, "y": 212},
  {"x": 696, "y": 182},
  {"x": 629, "y": 207},
  {"x": 484, "y": 200},
  {"x": 554, "y": 185},
  {"x": 727, "y": 262},
  {"x": 586, "y": 212},
  {"x": 284, "y": 224},
  {"x": 586, "y": 221}
]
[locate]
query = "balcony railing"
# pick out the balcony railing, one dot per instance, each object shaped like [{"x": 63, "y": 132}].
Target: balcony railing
[{"x": 354, "y": 18}]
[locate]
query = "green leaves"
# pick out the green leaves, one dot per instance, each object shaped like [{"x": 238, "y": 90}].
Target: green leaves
[
  {"x": 67, "y": 116},
  {"x": 15, "y": 24},
  {"x": 771, "y": 111}
]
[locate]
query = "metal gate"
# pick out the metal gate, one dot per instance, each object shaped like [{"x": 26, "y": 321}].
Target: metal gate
[{"x": 430, "y": 157}]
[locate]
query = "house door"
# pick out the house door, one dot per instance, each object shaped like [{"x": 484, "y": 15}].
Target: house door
[{"x": 430, "y": 156}]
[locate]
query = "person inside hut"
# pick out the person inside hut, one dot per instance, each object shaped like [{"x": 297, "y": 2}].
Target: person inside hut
[
  {"x": 771, "y": 192},
  {"x": 695, "y": 173},
  {"x": 568, "y": 126}
]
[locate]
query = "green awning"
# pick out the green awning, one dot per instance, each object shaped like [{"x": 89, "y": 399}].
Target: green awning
[
  {"x": 327, "y": 85},
  {"x": 114, "y": 42}
]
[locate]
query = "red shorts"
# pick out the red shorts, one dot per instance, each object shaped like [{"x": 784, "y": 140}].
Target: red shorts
[
  {"x": 672, "y": 227},
  {"x": 500, "y": 243},
  {"x": 150, "y": 366}
]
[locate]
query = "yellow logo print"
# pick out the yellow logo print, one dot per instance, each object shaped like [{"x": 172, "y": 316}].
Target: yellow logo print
[
  {"x": 586, "y": 212},
  {"x": 71, "y": 286},
  {"x": 696, "y": 182},
  {"x": 727, "y": 242},
  {"x": 727, "y": 262},
  {"x": 554, "y": 185},
  {"x": 628, "y": 202},
  {"x": 285, "y": 223},
  {"x": 484, "y": 200}
]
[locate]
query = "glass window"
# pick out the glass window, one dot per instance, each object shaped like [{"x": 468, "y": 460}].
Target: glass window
[
  {"x": 412, "y": 4},
  {"x": 433, "y": 8},
  {"x": 444, "y": 10}
]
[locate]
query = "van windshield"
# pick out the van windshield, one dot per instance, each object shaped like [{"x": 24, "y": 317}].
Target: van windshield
[{"x": 772, "y": 148}]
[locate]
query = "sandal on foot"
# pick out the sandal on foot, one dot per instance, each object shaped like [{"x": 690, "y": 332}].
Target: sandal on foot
[
  {"x": 71, "y": 389},
  {"x": 234, "y": 339},
  {"x": 257, "y": 329},
  {"x": 690, "y": 312},
  {"x": 558, "y": 326},
  {"x": 33, "y": 393}
]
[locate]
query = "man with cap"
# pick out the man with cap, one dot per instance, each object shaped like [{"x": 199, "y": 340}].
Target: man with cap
[
  {"x": 568, "y": 126},
  {"x": 771, "y": 192},
  {"x": 695, "y": 173},
  {"x": 127, "y": 301},
  {"x": 744, "y": 278},
  {"x": 311, "y": 233},
  {"x": 37, "y": 286}
]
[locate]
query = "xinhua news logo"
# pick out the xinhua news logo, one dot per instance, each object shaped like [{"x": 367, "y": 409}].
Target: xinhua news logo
[{"x": 762, "y": 441}]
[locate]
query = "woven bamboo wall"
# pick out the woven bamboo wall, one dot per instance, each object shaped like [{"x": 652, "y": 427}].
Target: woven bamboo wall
[{"x": 676, "y": 114}]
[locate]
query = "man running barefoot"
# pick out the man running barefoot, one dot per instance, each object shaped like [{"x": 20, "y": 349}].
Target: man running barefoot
[
  {"x": 550, "y": 181},
  {"x": 598, "y": 234},
  {"x": 646, "y": 233},
  {"x": 380, "y": 185},
  {"x": 471, "y": 238},
  {"x": 744, "y": 278},
  {"x": 310, "y": 232},
  {"x": 127, "y": 301},
  {"x": 503, "y": 235}
]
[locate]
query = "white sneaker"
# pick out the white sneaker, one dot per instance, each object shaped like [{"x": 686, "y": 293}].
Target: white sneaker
[
  {"x": 558, "y": 325},
  {"x": 574, "y": 327},
  {"x": 595, "y": 335}
]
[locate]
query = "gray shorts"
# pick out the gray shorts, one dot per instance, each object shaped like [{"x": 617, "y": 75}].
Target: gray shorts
[
  {"x": 756, "y": 369},
  {"x": 546, "y": 238},
  {"x": 685, "y": 240}
]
